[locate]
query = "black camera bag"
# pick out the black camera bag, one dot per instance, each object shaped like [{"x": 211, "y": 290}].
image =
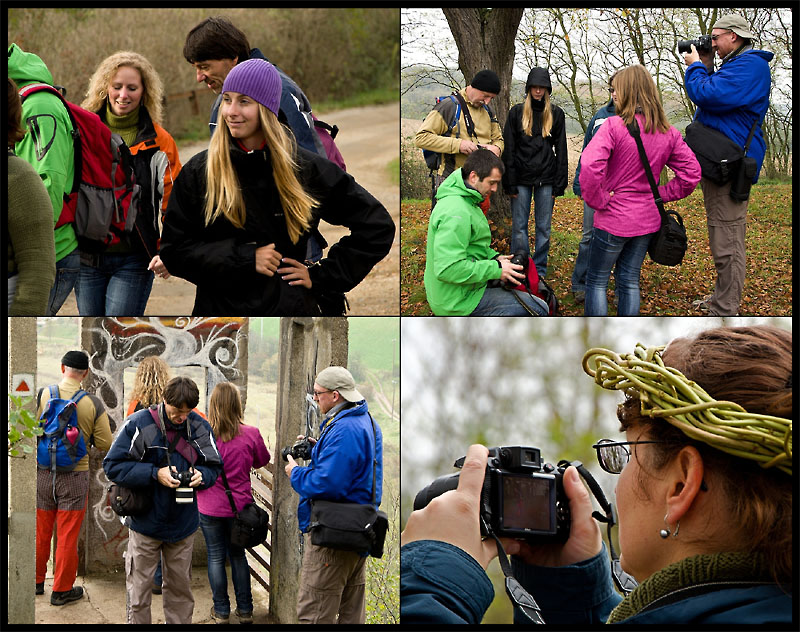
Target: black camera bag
[
  {"x": 126, "y": 501},
  {"x": 250, "y": 525},
  {"x": 669, "y": 244},
  {"x": 719, "y": 157},
  {"x": 350, "y": 526}
]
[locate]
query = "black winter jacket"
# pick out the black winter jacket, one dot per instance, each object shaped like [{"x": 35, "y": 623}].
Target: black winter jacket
[
  {"x": 533, "y": 160},
  {"x": 220, "y": 258},
  {"x": 139, "y": 451}
]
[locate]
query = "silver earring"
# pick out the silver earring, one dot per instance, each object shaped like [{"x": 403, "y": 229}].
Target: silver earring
[{"x": 665, "y": 533}]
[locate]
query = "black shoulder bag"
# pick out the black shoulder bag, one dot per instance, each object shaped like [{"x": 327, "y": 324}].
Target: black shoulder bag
[
  {"x": 250, "y": 525},
  {"x": 350, "y": 526},
  {"x": 720, "y": 158},
  {"x": 668, "y": 245}
]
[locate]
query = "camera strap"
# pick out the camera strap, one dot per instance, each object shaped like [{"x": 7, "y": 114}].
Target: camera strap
[{"x": 520, "y": 597}]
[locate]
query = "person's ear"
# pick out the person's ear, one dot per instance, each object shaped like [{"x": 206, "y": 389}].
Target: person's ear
[{"x": 685, "y": 482}]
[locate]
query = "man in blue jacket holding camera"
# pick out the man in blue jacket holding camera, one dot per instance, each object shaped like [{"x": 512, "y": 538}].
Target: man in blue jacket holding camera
[
  {"x": 169, "y": 451},
  {"x": 730, "y": 101},
  {"x": 341, "y": 469}
]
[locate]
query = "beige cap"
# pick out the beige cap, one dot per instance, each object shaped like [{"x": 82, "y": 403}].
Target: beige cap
[
  {"x": 735, "y": 23},
  {"x": 337, "y": 378}
]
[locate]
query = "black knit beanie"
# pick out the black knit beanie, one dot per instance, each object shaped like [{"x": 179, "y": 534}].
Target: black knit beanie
[
  {"x": 76, "y": 360},
  {"x": 487, "y": 81}
]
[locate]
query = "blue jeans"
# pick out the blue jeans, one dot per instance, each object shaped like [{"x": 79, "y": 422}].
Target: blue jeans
[
  {"x": 67, "y": 271},
  {"x": 582, "y": 260},
  {"x": 217, "y": 532},
  {"x": 499, "y": 302},
  {"x": 117, "y": 285},
  {"x": 605, "y": 251},
  {"x": 542, "y": 215}
]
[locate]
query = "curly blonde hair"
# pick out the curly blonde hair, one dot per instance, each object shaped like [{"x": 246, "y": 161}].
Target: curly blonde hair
[
  {"x": 150, "y": 381},
  {"x": 153, "y": 89}
]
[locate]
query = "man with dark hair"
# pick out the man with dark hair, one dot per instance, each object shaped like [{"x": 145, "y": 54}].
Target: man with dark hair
[
  {"x": 215, "y": 46},
  {"x": 153, "y": 447},
  {"x": 733, "y": 100},
  {"x": 476, "y": 126},
  {"x": 461, "y": 269},
  {"x": 61, "y": 495}
]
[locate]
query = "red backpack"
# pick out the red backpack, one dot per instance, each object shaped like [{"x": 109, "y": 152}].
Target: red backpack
[{"x": 104, "y": 198}]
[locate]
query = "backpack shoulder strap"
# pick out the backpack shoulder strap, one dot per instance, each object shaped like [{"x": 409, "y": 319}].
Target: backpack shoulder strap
[{"x": 78, "y": 395}]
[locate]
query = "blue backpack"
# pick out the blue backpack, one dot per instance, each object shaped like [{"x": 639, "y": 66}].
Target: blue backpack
[{"x": 62, "y": 445}]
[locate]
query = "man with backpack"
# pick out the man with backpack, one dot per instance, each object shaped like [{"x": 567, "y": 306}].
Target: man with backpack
[
  {"x": 459, "y": 125},
  {"x": 62, "y": 476},
  {"x": 214, "y": 47},
  {"x": 49, "y": 148}
]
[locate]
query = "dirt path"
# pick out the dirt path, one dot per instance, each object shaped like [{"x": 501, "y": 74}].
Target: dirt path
[{"x": 369, "y": 138}]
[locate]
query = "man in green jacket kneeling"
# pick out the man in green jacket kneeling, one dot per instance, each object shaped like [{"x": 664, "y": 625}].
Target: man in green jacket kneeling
[{"x": 464, "y": 276}]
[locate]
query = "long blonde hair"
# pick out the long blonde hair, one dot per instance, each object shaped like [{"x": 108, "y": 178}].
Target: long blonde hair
[
  {"x": 152, "y": 88},
  {"x": 636, "y": 91},
  {"x": 527, "y": 115},
  {"x": 223, "y": 194},
  {"x": 225, "y": 411},
  {"x": 151, "y": 378}
]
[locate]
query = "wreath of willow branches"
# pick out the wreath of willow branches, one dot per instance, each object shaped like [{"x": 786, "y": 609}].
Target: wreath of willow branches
[{"x": 665, "y": 392}]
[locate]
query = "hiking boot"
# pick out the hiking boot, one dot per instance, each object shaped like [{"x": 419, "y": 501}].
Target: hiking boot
[
  {"x": 701, "y": 304},
  {"x": 580, "y": 296},
  {"x": 60, "y": 598},
  {"x": 244, "y": 617},
  {"x": 40, "y": 589},
  {"x": 156, "y": 589},
  {"x": 218, "y": 618}
]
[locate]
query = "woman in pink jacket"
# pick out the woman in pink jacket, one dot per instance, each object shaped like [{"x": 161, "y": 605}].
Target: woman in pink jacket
[
  {"x": 614, "y": 183},
  {"x": 241, "y": 448}
]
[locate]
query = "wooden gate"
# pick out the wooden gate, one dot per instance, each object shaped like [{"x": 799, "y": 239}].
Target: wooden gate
[{"x": 259, "y": 557}]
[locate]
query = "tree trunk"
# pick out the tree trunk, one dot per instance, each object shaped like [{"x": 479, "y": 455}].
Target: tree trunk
[{"x": 485, "y": 40}]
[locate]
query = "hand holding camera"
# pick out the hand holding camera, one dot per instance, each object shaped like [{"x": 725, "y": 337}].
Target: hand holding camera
[
  {"x": 453, "y": 517},
  {"x": 513, "y": 269}
]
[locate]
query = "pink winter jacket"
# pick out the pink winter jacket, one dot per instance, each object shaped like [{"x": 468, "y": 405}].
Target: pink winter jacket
[{"x": 610, "y": 163}]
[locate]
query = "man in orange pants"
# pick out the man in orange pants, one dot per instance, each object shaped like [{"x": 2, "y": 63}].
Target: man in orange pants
[{"x": 61, "y": 496}]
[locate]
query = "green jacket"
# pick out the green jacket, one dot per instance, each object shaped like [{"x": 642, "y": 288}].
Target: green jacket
[
  {"x": 459, "y": 259},
  {"x": 48, "y": 144}
]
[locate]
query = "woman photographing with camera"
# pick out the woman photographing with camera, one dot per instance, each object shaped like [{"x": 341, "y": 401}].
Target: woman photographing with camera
[
  {"x": 704, "y": 500},
  {"x": 240, "y": 213}
]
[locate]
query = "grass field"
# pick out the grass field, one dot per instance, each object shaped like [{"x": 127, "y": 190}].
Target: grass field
[{"x": 664, "y": 291}]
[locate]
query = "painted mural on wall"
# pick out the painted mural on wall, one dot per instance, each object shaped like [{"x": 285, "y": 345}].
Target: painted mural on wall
[{"x": 218, "y": 345}]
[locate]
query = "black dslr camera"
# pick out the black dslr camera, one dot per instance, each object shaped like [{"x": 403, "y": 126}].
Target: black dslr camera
[
  {"x": 300, "y": 450},
  {"x": 702, "y": 44},
  {"x": 520, "y": 259},
  {"x": 521, "y": 497},
  {"x": 183, "y": 493}
]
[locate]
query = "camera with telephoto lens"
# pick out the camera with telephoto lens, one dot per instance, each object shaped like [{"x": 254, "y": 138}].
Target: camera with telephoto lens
[
  {"x": 522, "y": 498},
  {"x": 183, "y": 493},
  {"x": 300, "y": 450},
  {"x": 702, "y": 44}
]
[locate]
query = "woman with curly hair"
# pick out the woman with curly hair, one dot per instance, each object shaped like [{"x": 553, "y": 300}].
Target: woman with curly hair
[{"x": 126, "y": 93}]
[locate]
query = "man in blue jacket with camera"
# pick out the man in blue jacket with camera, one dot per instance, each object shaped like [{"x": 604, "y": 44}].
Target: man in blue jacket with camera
[
  {"x": 341, "y": 469},
  {"x": 169, "y": 451},
  {"x": 730, "y": 101}
]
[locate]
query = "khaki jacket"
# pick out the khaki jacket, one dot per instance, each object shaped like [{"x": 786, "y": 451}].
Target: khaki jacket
[
  {"x": 429, "y": 136},
  {"x": 92, "y": 418}
]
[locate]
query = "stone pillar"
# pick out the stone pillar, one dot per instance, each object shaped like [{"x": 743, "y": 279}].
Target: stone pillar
[
  {"x": 22, "y": 487},
  {"x": 219, "y": 345},
  {"x": 308, "y": 345}
]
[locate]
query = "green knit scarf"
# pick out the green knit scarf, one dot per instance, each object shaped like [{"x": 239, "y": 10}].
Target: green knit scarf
[
  {"x": 126, "y": 126},
  {"x": 689, "y": 572}
]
